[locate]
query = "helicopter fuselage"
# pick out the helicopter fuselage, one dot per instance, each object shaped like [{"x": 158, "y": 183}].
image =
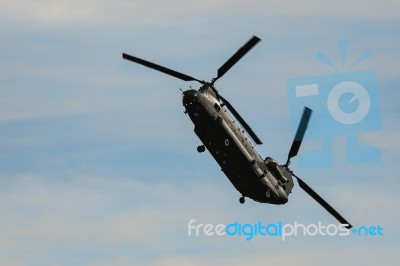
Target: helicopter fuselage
[{"x": 264, "y": 181}]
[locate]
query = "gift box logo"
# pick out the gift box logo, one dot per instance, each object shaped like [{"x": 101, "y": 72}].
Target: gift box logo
[{"x": 345, "y": 104}]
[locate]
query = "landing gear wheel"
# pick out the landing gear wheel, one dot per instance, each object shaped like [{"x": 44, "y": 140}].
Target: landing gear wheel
[
  {"x": 201, "y": 148},
  {"x": 268, "y": 193},
  {"x": 241, "y": 200}
]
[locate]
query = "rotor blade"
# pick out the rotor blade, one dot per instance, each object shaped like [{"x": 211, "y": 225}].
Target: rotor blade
[
  {"x": 165, "y": 70},
  {"x": 321, "y": 201},
  {"x": 237, "y": 56},
  {"x": 301, "y": 130},
  {"x": 241, "y": 121}
]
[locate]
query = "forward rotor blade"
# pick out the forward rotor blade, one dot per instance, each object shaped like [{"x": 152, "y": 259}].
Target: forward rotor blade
[
  {"x": 241, "y": 121},
  {"x": 237, "y": 56},
  {"x": 165, "y": 70},
  {"x": 301, "y": 130},
  {"x": 321, "y": 201}
]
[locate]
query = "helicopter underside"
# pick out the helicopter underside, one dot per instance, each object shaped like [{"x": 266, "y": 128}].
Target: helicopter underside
[{"x": 230, "y": 154}]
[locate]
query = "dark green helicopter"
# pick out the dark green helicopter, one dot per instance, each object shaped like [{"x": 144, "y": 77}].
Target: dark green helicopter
[{"x": 224, "y": 133}]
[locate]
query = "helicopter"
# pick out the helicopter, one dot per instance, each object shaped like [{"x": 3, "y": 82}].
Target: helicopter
[{"x": 231, "y": 141}]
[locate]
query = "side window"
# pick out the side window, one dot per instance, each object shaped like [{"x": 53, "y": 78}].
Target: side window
[{"x": 217, "y": 107}]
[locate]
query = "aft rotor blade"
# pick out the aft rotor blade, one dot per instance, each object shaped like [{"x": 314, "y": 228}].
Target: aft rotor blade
[
  {"x": 323, "y": 203},
  {"x": 165, "y": 70},
  {"x": 237, "y": 56},
  {"x": 301, "y": 130},
  {"x": 241, "y": 121}
]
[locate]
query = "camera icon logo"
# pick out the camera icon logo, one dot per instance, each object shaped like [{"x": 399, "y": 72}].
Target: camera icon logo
[
  {"x": 359, "y": 93},
  {"x": 345, "y": 104}
]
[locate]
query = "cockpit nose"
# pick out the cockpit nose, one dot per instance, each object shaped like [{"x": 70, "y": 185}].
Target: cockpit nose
[{"x": 189, "y": 96}]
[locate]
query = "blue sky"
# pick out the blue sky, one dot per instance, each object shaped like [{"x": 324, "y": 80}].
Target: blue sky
[{"x": 99, "y": 163}]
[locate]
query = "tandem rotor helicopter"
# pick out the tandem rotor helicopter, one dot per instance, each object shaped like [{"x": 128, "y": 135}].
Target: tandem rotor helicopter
[{"x": 263, "y": 180}]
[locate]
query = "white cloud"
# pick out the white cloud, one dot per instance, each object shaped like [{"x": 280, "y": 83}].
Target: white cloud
[
  {"x": 386, "y": 140},
  {"x": 303, "y": 254},
  {"x": 97, "y": 213},
  {"x": 160, "y": 13},
  {"x": 94, "y": 211}
]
